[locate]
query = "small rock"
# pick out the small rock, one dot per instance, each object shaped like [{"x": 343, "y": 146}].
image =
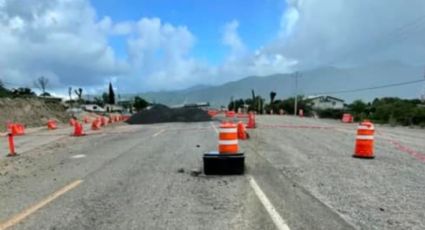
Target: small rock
[
  {"x": 197, "y": 146},
  {"x": 195, "y": 172},
  {"x": 180, "y": 170},
  {"x": 381, "y": 209}
]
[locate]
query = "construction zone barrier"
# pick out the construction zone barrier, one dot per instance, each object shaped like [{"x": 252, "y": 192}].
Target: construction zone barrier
[
  {"x": 212, "y": 113},
  {"x": 364, "y": 140},
  {"x": 242, "y": 115},
  {"x": 347, "y": 118},
  {"x": 228, "y": 159},
  {"x": 103, "y": 121},
  {"x": 16, "y": 129},
  {"x": 228, "y": 138},
  {"x": 242, "y": 135},
  {"x": 78, "y": 130},
  {"x": 96, "y": 124},
  {"x": 125, "y": 117},
  {"x": 251, "y": 121},
  {"x": 52, "y": 124},
  {"x": 12, "y": 152},
  {"x": 230, "y": 114}
]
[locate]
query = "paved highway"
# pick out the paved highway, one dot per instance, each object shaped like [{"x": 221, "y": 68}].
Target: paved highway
[{"x": 145, "y": 177}]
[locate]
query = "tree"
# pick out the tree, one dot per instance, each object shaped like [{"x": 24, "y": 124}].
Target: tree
[
  {"x": 79, "y": 94},
  {"x": 140, "y": 103},
  {"x": 3, "y": 91},
  {"x": 236, "y": 104},
  {"x": 22, "y": 92},
  {"x": 98, "y": 101},
  {"x": 42, "y": 83},
  {"x": 105, "y": 98},
  {"x": 111, "y": 94},
  {"x": 45, "y": 94},
  {"x": 272, "y": 97}
]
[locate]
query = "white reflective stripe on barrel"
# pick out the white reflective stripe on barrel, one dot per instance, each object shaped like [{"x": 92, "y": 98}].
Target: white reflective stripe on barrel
[
  {"x": 231, "y": 130},
  {"x": 365, "y": 127},
  {"x": 232, "y": 142},
  {"x": 364, "y": 137}
]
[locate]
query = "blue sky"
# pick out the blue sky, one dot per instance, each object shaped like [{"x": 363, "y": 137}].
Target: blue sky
[
  {"x": 259, "y": 21},
  {"x": 154, "y": 45}
]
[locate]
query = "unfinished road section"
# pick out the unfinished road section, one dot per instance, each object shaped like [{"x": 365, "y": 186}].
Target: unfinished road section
[{"x": 300, "y": 174}]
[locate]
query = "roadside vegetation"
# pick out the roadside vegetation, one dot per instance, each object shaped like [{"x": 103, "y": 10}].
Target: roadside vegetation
[{"x": 387, "y": 110}]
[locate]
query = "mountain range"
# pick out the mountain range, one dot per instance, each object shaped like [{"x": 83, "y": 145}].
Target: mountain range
[{"x": 323, "y": 81}]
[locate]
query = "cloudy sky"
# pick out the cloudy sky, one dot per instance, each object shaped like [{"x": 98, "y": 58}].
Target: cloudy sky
[{"x": 149, "y": 45}]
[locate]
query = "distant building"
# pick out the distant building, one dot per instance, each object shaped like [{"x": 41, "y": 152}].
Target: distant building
[
  {"x": 326, "y": 102},
  {"x": 114, "y": 108},
  {"x": 93, "y": 108}
]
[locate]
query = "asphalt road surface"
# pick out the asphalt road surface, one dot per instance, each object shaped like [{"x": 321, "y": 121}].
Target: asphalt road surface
[{"x": 146, "y": 177}]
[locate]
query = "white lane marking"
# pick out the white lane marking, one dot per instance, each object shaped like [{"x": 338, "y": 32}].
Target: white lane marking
[
  {"x": 156, "y": 134},
  {"x": 277, "y": 219},
  {"x": 27, "y": 212},
  {"x": 78, "y": 156},
  {"x": 212, "y": 125}
]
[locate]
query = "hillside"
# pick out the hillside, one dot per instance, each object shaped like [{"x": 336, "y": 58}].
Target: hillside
[
  {"x": 29, "y": 111},
  {"x": 311, "y": 82}
]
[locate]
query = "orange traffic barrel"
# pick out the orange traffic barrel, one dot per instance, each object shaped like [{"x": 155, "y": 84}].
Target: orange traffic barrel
[
  {"x": 51, "y": 124},
  {"x": 228, "y": 138},
  {"x": 364, "y": 140},
  {"x": 347, "y": 118}
]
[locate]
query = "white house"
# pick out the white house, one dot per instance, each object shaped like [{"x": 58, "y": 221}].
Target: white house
[
  {"x": 326, "y": 102},
  {"x": 114, "y": 108},
  {"x": 93, "y": 108}
]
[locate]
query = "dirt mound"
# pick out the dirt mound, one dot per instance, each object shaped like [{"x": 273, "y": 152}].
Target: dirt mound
[
  {"x": 161, "y": 113},
  {"x": 31, "y": 112}
]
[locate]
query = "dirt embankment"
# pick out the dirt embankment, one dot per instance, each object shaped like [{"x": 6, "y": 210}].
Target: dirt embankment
[{"x": 29, "y": 111}]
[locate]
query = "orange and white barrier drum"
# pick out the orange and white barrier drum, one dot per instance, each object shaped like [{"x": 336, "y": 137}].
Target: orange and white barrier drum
[
  {"x": 364, "y": 140},
  {"x": 347, "y": 118},
  {"x": 228, "y": 138}
]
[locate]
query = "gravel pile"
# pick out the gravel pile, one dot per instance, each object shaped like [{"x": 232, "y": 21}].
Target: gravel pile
[{"x": 161, "y": 113}]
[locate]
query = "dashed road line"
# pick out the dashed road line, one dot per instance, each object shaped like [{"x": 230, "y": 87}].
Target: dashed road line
[
  {"x": 275, "y": 216},
  {"x": 78, "y": 156},
  {"x": 32, "y": 209},
  {"x": 157, "y": 133}
]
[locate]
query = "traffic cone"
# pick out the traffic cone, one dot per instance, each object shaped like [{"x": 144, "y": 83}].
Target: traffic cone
[
  {"x": 102, "y": 121},
  {"x": 51, "y": 124},
  {"x": 95, "y": 124},
  {"x": 78, "y": 130},
  {"x": 251, "y": 121},
  {"x": 364, "y": 140},
  {"x": 241, "y": 131}
]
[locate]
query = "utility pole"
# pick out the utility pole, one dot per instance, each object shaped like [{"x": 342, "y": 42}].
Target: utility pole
[{"x": 296, "y": 94}]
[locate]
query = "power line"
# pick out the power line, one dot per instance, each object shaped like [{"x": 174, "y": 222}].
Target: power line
[{"x": 370, "y": 88}]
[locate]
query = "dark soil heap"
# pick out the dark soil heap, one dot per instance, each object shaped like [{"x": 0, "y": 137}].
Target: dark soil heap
[{"x": 161, "y": 113}]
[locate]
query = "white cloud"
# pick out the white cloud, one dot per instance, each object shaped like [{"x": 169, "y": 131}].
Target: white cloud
[
  {"x": 342, "y": 33},
  {"x": 233, "y": 41},
  {"x": 67, "y": 42},
  {"x": 60, "y": 39}
]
